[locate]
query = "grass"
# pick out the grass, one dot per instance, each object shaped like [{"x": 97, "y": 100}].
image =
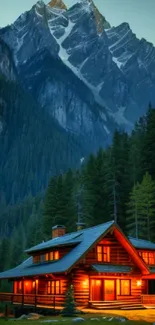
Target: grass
[{"x": 68, "y": 321}]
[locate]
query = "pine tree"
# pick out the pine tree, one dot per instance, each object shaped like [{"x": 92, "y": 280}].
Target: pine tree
[
  {"x": 118, "y": 178},
  {"x": 149, "y": 144},
  {"x": 141, "y": 209},
  {"x": 147, "y": 208},
  {"x": 50, "y": 208},
  {"x": 69, "y": 309},
  {"x": 133, "y": 212}
]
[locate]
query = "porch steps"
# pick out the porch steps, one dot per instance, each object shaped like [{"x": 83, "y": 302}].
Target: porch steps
[{"x": 116, "y": 304}]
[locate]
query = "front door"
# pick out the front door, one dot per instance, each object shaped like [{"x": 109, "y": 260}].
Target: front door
[
  {"x": 109, "y": 290},
  {"x": 96, "y": 290}
]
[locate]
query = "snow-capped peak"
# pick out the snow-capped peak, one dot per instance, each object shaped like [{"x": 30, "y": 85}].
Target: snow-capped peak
[{"x": 101, "y": 23}]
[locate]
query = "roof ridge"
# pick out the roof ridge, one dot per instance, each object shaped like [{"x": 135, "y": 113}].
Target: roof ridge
[{"x": 76, "y": 233}]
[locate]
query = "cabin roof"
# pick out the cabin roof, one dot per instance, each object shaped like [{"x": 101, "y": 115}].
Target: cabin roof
[
  {"x": 84, "y": 240},
  {"x": 68, "y": 239},
  {"x": 109, "y": 268},
  {"x": 141, "y": 243},
  {"x": 87, "y": 237}
]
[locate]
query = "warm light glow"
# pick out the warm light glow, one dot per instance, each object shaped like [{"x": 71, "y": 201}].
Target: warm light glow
[
  {"x": 98, "y": 282},
  {"x": 85, "y": 283},
  {"x": 103, "y": 253},
  {"x": 26, "y": 284},
  {"x": 139, "y": 283},
  {"x": 56, "y": 255}
]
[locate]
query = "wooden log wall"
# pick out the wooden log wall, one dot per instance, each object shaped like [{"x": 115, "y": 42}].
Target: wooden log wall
[{"x": 80, "y": 281}]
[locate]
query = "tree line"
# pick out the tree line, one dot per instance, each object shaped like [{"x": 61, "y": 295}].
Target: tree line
[{"x": 115, "y": 183}]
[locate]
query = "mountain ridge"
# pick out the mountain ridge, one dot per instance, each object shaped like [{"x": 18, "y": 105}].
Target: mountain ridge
[{"x": 89, "y": 79}]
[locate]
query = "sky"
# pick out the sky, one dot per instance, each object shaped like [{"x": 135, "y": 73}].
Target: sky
[{"x": 138, "y": 13}]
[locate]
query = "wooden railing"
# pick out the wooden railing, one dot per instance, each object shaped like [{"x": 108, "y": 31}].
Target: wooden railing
[
  {"x": 33, "y": 300},
  {"x": 148, "y": 299}
]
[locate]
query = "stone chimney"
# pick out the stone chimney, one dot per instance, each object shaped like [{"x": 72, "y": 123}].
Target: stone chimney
[
  {"x": 80, "y": 225},
  {"x": 58, "y": 231}
]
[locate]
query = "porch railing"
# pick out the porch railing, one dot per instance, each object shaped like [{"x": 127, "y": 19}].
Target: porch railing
[
  {"x": 33, "y": 300},
  {"x": 148, "y": 299}
]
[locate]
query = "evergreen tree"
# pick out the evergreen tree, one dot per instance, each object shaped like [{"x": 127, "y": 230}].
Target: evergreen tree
[
  {"x": 69, "y": 309},
  {"x": 141, "y": 209},
  {"x": 147, "y": 208},
  {"x": 149, "y": 144},
  {"x": 133, "y": 212},
  {"x": 50, "y": 208}
]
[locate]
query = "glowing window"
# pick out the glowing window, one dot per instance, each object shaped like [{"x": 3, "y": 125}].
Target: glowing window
[
  {"x": 53, "y": 287},
  {"x": 56, "y": 255},
  {"x": 148, "y": 257},
  {"x": 125, "y": 287},
  {"x": 51, "y": 256},
  {"x": 103, "y": 253},
  {"x": 46, "y": 257}
]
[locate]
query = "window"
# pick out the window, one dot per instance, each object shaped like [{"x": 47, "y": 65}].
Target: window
[
  {"x": 36, "y": 259},
  {"x": 51, "y": 256},
  {"x": 53, "y": 288},
  {"x": 123, "y": 287},
  {"x": 18, "y": 287},
  {"x": 148, "y": 257},
  {"x": 103, "y": 253}
]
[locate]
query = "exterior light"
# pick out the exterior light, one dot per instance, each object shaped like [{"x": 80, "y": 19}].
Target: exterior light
[
  {"x": 139, "y": 283},
  {"x": 85, "y": 283}
]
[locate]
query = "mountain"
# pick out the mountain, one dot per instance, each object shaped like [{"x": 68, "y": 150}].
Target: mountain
[{"x": 68, "y": 80}]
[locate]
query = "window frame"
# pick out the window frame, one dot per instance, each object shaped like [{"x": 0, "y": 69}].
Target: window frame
[
  {"x": 104, "y": 253},
  {"x": 46, "y": 257},
  {"x": 121, "y": 285},
  {"x": 52, "y": 287},
  {"x": 145, "y": 255}
]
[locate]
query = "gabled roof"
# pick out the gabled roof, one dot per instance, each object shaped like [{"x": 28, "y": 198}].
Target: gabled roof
[
  {"x": 84, "y": 240},
  {"x": 142, "y": 244},
  {"x": 87, "y": 238}
]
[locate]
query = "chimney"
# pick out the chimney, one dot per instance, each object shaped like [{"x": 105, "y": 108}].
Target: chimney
[
  {"x": 80, "y": 225},
  {"x": 58, "y": 231}
]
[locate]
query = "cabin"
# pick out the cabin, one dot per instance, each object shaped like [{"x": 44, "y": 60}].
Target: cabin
[{"x": 105, "y": 268}]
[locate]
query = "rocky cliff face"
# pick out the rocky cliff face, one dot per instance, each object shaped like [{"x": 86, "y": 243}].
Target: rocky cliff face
[{"x": 89, "y": 77}]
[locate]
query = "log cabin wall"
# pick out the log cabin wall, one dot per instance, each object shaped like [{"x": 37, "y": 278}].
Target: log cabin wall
[
  {"x": 118, "y": 254},
  {"x": 80, "y": 281}
]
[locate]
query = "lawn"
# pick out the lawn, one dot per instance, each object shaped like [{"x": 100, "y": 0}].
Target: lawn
[{"x": 88, "y": 321}]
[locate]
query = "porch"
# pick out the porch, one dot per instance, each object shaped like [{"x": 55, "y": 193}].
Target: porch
[{"x": 35, "y": 300}]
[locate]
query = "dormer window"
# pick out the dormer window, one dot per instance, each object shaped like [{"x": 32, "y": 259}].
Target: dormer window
[
  {"x": 103, "y": 253},
  {"x": 47, "y": 257},
  {"x": 53, "y": 256}
]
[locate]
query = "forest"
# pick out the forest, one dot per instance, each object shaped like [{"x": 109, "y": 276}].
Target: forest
[{"x": 117, "y": 182}]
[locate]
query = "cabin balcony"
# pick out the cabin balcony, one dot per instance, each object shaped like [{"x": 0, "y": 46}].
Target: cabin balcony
[{"x": 44, "y": 301}]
